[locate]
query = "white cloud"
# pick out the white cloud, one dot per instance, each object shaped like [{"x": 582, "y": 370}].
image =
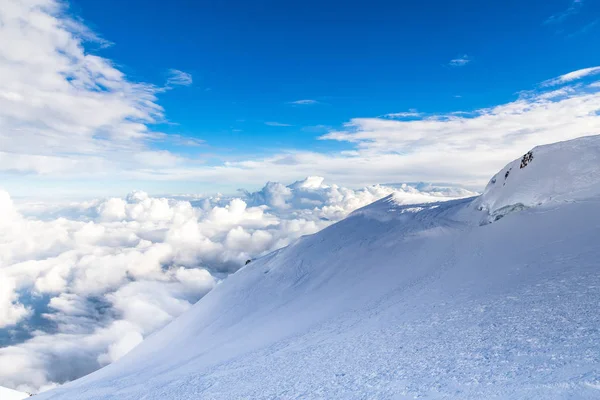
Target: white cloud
[
  {"x": 574, "y": 8},
  {"x": 82, "y": 284},
  {"x": 123, "y": 346},
  {"x": 572, "y": 76},
  {"x": 70, "y": 115},
  {"x": 405, "y": 114},
  {"x": 11, "y": 312},
  {"x": 456, "y": 147},
  {"x": 179, "y": 78},
  {"x": 63, "y": 110},
  {"x": 304, "y": 102},
  {"x": 276, "y": 124},
  {"x": 460, "y": 61}
]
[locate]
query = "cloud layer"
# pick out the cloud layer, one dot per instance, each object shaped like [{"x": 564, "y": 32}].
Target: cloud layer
[
  {"x": 469, "y": 145},
  {"x": 82, "y": 283}
]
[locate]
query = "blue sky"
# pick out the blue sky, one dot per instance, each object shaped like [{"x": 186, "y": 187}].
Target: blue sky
[
  {"x": 267, "y": 77},
  {"x": 357, "y": 59}
]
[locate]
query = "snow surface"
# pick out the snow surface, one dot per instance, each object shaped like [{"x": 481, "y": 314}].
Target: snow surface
[
  {"x": 566, "y": 171},
  {"x": 401, "y": 301},
  {"x": 9, "y": 394}
]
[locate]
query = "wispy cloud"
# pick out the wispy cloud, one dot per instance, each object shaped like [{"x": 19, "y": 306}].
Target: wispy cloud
[
  {"x": 180, "y": 140},
  {"x": 557, "y": 18},
  {"x": 179, "y": 78},
  {"x": 460, "y": 61},
  {"x": 304, "y": 102},
  {"x": 584, "y": 29},
  {"x": 271, "y": 123},
  {"x": 572, "y": 76},
  {"x": 412, "y": 113}
]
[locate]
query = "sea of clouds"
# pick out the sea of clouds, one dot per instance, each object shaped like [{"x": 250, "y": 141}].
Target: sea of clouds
[{"x": 83, "y": 283}]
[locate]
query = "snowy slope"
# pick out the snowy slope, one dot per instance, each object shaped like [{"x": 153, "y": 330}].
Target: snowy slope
[
  {"x": 9, "y": 394},
  {"x": 566, "y": 171},
  {"x": 402, "y": 301}
]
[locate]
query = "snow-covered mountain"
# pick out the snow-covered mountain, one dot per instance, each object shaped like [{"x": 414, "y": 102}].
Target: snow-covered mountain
[
  {"x": 9, "y": 394},
  {"x": 488, "y": 297}
]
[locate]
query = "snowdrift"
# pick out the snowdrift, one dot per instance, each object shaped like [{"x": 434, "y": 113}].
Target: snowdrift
[{"x": 440, "y": 300}]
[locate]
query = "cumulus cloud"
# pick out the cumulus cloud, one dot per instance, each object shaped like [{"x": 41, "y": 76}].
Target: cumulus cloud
[
  {"x": 123, "y": 346},
  {"x": 82, "y": 284},
  {"x": 11, "y": 312},
  {"x": 179, "y": 78}
]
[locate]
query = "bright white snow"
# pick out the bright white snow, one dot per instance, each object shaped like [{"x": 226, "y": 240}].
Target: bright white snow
[
  {"x": 9, "y": 394},
  {"x": 566, "y": 171},
  {"x": 401, "y": 301}
]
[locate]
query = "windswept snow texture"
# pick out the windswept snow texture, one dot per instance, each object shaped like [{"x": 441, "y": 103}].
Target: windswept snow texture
[
  {"x": 401, "y": 301},
  {"x": 9, "y": 394}
]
